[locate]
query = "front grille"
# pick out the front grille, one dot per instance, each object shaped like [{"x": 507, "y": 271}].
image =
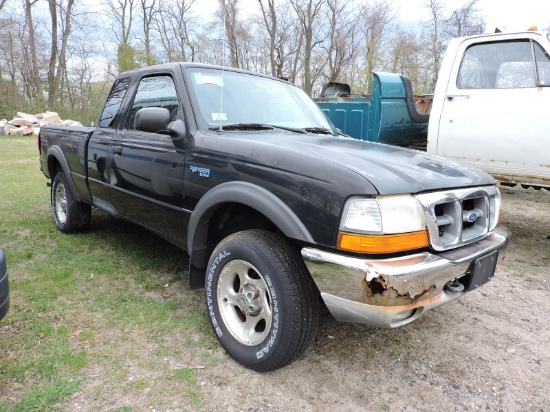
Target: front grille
[{"x": 462, "y": 216}]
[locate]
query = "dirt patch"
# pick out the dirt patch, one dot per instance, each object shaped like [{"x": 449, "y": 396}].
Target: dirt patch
[{"x": 485, "y": 351}]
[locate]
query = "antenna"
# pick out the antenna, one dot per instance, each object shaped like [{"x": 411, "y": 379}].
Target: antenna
[{"x": 223, "y": 62}]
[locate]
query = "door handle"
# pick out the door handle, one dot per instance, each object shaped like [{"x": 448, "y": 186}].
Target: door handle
[
  {"x": 117, "y": 150},
  {"x": 457, "y": 96}
]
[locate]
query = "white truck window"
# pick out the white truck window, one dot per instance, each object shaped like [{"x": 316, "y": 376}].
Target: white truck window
[
  {"x": 543, "y": 66},
  {"x": 504, "y": 65}
]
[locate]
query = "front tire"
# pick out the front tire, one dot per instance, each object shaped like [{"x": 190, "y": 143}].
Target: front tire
[
  {"x": 261, "y": 300},
  {"x": 70, "y": 214}
]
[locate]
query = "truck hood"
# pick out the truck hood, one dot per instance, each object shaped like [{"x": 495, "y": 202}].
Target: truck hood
[
  {"x": 394, "y": 170},
  {"x": 347, "y": 161}
]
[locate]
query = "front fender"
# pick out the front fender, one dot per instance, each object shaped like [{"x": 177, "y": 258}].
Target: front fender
[{"x": 247, "y": 194}]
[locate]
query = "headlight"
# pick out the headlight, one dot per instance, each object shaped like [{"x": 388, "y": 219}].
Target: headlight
[
  {"x": 386, "y": 224},
  {"x": 495, "y": 210}
]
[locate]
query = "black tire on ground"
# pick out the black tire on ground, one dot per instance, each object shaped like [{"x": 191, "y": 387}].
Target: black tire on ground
[
  {"x": 261, "y": 300},
  {"x": 70, "y": 214}
]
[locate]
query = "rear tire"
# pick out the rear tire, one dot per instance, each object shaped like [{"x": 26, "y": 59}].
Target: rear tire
[
  {"x": 70, "y": 214},
  {"x": 261, "y": 300}
]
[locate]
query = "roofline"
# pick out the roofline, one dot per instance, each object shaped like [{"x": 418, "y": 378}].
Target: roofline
[
  {"x": 184, "y": 65},
  {"x": 505, "y": 34}
]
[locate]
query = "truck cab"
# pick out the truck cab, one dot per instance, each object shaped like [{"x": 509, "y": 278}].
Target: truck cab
[{"x": 490, "y": 106}]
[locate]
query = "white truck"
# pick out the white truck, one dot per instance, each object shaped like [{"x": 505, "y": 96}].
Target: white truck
[
  {"x": 491, "y": 104},
  {"x": 489, "y": 108}
]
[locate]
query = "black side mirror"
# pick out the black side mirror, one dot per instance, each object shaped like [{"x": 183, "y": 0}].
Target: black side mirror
[
  {"x": 177, "y": 129},
  {"x": 153, "y": 119}
]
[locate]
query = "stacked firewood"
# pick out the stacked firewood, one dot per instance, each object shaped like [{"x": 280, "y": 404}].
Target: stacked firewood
[{"x": 24, "y": 124}]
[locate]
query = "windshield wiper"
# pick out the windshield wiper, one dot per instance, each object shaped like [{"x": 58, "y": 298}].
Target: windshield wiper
[
  {"x": 262, "y": 126},
  {"x": 318, "y": 130},
  {"x": 290, "y": 129},
  {"x": 257, "y": 126},
  {"x": 243, "y": 126}
]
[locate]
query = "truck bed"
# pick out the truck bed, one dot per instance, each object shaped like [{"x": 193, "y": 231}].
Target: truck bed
[
  {"x": 383, "y": 117},
  {"x": 72, "y": 140}
]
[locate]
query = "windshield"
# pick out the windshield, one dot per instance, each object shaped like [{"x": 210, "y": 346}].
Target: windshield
[{"x": 231, "y": 98}]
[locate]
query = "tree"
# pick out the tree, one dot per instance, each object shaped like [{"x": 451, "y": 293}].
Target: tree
[
  {"x": 405, "y": 57},
  {"x": 436, "y": 37},
  {"x": 465, "y": 21},
  {"x": 10, "y": 53},
  {"x": 57, "y": 62},
  {"x": 376, "y": 19},
  {"x": 309, "y": 13},
  {"x": 342, "y": 38},
  {"x": 148, "y": 12},
  {"x": 175, "y": 28},
  {"x": 122, "y": 13},
  {"x": 34, "y": 83},
  {"x": 270, "y": 20},
  {"x": 284, "y": 38},
  {"x": 229, "y": 14}
]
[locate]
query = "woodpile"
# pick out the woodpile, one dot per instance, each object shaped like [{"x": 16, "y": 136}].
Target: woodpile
[{"x": 24, "y": 124}]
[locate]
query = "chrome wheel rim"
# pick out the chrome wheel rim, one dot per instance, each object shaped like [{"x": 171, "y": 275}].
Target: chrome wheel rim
[
  {"x": 60, "y": 203},
  {"x": 245, "y": 302}
]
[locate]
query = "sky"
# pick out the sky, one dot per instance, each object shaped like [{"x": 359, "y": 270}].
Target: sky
[{"x": 506, "y": 15}]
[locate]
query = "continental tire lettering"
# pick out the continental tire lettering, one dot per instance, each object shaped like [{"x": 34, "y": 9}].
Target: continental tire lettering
[
  {"x": 275, "y": 325},
  {"x": 209, "y": 301}
]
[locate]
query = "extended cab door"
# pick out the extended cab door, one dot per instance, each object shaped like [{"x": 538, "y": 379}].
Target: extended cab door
[
  {"x": 146, "y": 171},
  {"x": 494, "y": 115},
  {"x": 100, "y": 144}
]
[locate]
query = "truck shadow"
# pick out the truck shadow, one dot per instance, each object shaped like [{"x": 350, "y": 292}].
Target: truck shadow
[{"x": 139, "y": 245}]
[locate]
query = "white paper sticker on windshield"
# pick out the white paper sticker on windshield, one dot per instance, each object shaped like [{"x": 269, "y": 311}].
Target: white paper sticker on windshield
[
  {"x": 205, "y": 79},
  {"x": 219, "y": 117}
]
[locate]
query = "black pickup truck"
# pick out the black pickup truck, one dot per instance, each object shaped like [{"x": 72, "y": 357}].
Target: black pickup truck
[{"x": 278, "y": 211}]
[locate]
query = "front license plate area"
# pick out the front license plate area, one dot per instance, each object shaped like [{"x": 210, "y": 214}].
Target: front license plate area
[{"x": 482, "y": 271}]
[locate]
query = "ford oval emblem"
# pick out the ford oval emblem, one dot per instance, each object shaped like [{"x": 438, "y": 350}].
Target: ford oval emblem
[{"x": 472, "y": 217}]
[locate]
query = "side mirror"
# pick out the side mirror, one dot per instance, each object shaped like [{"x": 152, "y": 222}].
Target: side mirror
[
  {"x": 152, "y": 119},
  {"x": 177, "y": 129}
]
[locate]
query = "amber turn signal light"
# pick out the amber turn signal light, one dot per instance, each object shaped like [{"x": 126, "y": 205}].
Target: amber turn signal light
[{"x": 382, "y": 243}]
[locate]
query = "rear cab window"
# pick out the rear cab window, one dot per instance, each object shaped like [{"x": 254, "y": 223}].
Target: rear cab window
[{"x": 110, "y": 112}]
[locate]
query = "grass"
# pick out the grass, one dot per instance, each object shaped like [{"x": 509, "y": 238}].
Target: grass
[{"x": 92, "y": 309}]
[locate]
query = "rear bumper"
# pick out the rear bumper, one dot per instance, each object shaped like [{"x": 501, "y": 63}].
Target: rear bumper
[
  {"x": 396, "y": 291},
  {"x": 4, "y": 287}
]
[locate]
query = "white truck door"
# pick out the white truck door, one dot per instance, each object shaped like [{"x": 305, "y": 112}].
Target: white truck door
[{"x": 494, "y": 115}]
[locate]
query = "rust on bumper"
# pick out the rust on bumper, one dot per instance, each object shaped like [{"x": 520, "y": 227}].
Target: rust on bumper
[
  {"x": 395, "y": 291},
  {"x": 384, "y": 291}
]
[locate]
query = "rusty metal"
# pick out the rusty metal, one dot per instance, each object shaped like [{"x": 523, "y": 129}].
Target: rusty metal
[
  {"x": 423, "y": 104},
  {"x": 526, "y": 181},
  {"x": 387, "y": 291}
]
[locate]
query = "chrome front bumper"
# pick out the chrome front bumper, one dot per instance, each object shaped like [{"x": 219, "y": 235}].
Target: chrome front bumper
[{"x": 396, "y": 291}]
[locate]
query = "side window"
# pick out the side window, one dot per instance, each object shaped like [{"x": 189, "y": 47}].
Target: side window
[
  {"x": 470, "y": 74},
  {"x": 154, "y": 91},
  {"x": 499, "y": 65},
  {"x": 113, "y": 102},
  {"x": 543, "y": 66}
]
